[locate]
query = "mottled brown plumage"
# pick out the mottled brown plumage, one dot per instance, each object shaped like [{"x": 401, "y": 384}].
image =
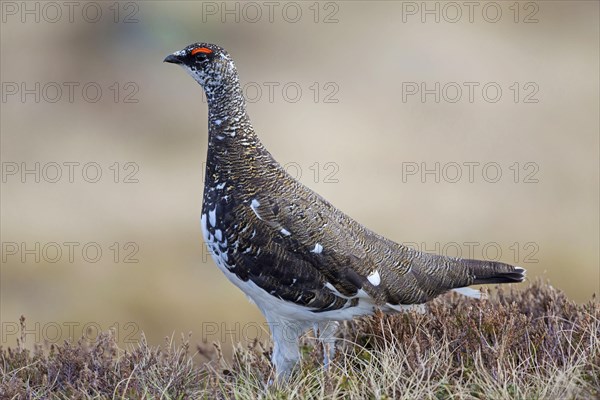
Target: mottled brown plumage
[{"x": 301, "y": 260}]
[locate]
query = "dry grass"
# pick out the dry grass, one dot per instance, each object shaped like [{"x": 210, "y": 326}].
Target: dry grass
[{"x": 534, "y": 344}]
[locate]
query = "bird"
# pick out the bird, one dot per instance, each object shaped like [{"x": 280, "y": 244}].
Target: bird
[{"x": 304, "y": 263}]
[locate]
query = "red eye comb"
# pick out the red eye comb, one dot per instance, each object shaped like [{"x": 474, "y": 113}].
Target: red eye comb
[{"x": 201, "y": 50}]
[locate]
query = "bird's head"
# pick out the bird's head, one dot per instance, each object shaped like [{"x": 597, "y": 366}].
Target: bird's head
[{"x": 210, "y": 65}]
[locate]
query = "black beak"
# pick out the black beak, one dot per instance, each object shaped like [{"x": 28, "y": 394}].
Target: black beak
[{"x": 172, "y": 59}]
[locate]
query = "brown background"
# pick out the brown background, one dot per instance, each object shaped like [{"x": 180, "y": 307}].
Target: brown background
[{"x": 365, "y": 53}]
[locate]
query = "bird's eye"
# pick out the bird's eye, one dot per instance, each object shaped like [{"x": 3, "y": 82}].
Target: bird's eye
[{"x": 201, "y": 51}]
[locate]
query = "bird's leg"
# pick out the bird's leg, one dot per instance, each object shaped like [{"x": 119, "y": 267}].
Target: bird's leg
[
  {"x": 286, "y": 352},
  {"x": 325, "y": 333}
]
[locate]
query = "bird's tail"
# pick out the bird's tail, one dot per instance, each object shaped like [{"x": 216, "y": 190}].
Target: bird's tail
[{"x": 490, "y": 272}]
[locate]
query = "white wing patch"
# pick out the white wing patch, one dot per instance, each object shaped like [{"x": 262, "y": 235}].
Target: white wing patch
[
  {"x": 335, "y": 291},
  {"x": 212, "y": 217},
  {"x": 285, "y": 232},
  {"x": 331, "y": 287},
  {"x": 205, "y": 232},
  {"x": 374, "y": 278},
  {"x": 318, "y": 249},
  {"x": 254, "y": 205}
]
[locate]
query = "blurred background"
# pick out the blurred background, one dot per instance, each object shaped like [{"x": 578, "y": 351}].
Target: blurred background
[{"x": 463, "y": 130}]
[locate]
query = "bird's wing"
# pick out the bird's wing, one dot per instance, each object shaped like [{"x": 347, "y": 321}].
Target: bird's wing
[{"x": 298, "y": 247}]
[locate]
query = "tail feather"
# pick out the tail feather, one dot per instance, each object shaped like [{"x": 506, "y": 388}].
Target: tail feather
[{"x": 490, "y": 272}]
